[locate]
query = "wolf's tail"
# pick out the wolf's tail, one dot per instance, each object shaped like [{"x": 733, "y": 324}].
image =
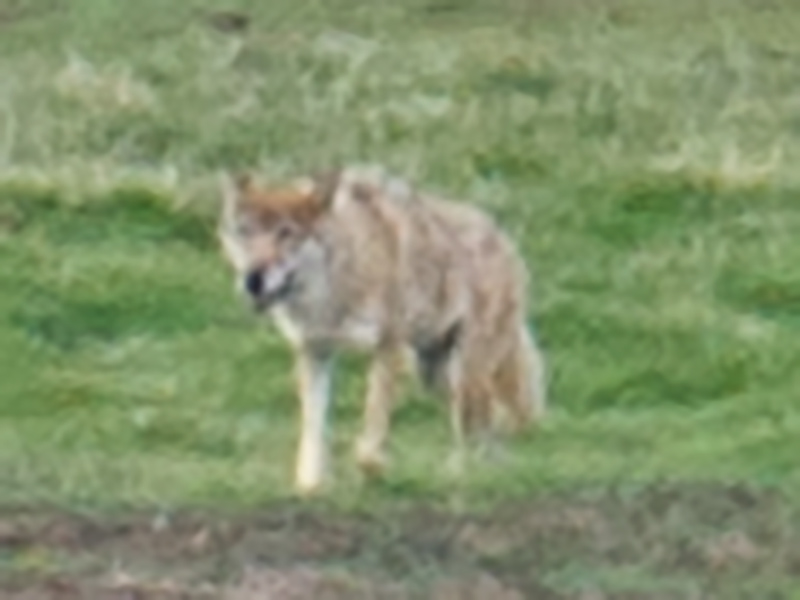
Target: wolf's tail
[{"x": 519, "y": 383}]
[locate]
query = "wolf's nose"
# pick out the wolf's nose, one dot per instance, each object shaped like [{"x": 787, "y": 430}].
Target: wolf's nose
[{"x": 254, "y": 283}]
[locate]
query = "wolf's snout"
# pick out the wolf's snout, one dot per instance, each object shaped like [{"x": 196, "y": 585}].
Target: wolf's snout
[
  {"x": 266, "y": 286},
  {"x": 254, "y": 283}
]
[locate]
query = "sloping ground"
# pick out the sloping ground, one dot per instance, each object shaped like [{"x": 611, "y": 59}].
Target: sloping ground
[{"x": 703, "y": 542}]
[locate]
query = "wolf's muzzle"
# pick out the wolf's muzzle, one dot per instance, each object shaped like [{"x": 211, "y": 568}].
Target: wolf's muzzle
[
  {"x": 266, "y": 288},
  {"x": 254, "y": 283}
]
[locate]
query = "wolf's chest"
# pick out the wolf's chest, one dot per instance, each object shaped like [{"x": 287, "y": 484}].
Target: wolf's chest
[
  {"x": 358, "y": 332},
  {"x": 290, "y": 327}
]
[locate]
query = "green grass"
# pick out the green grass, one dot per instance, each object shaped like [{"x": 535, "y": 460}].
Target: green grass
[{"x": 642, "y": 153}]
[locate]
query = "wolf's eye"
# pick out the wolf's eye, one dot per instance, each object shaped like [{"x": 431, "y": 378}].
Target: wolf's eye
[{"x": 284, "y": 231}]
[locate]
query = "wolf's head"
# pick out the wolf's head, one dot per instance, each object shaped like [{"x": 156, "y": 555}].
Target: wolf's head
[{"x": 269, "y": 234}]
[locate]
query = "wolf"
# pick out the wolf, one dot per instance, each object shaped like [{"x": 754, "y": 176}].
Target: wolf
[{"x": 359, "y": 258}]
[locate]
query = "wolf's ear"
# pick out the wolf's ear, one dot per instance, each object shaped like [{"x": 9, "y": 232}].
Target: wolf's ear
[{"x": 325, "y": 185}]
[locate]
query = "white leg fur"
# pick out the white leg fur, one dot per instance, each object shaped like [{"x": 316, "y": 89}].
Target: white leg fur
[{"x": 314, "y": 375}]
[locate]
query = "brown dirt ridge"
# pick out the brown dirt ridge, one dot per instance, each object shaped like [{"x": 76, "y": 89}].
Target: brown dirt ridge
[{"x": 683, "y": 541}]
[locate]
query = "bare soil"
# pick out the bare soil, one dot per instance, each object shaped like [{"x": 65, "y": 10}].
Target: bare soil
[{"x": 707, "y": 539}]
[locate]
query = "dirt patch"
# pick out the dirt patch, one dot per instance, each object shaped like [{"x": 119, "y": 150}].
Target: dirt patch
[{"x": 711, "y": 537}]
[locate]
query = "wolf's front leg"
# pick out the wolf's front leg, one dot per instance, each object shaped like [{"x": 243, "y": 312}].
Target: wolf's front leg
[
  {"x": 314, "y": 381},
  {"x": 381, "y": 390}
]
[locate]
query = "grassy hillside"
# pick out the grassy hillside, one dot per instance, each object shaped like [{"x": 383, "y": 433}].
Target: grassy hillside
[{"x": 642, "y": 153}]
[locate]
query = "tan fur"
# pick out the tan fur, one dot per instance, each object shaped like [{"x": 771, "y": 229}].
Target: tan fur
[{"x": 361, "y": 259}]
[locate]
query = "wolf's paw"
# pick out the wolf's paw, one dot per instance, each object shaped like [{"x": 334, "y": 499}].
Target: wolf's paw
[
  {"x": 305, "y": 489},
  {"x": 372, "y": 462},
  {"x": 310, "y": 479},
  {"x": 312, "y": 488}
]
